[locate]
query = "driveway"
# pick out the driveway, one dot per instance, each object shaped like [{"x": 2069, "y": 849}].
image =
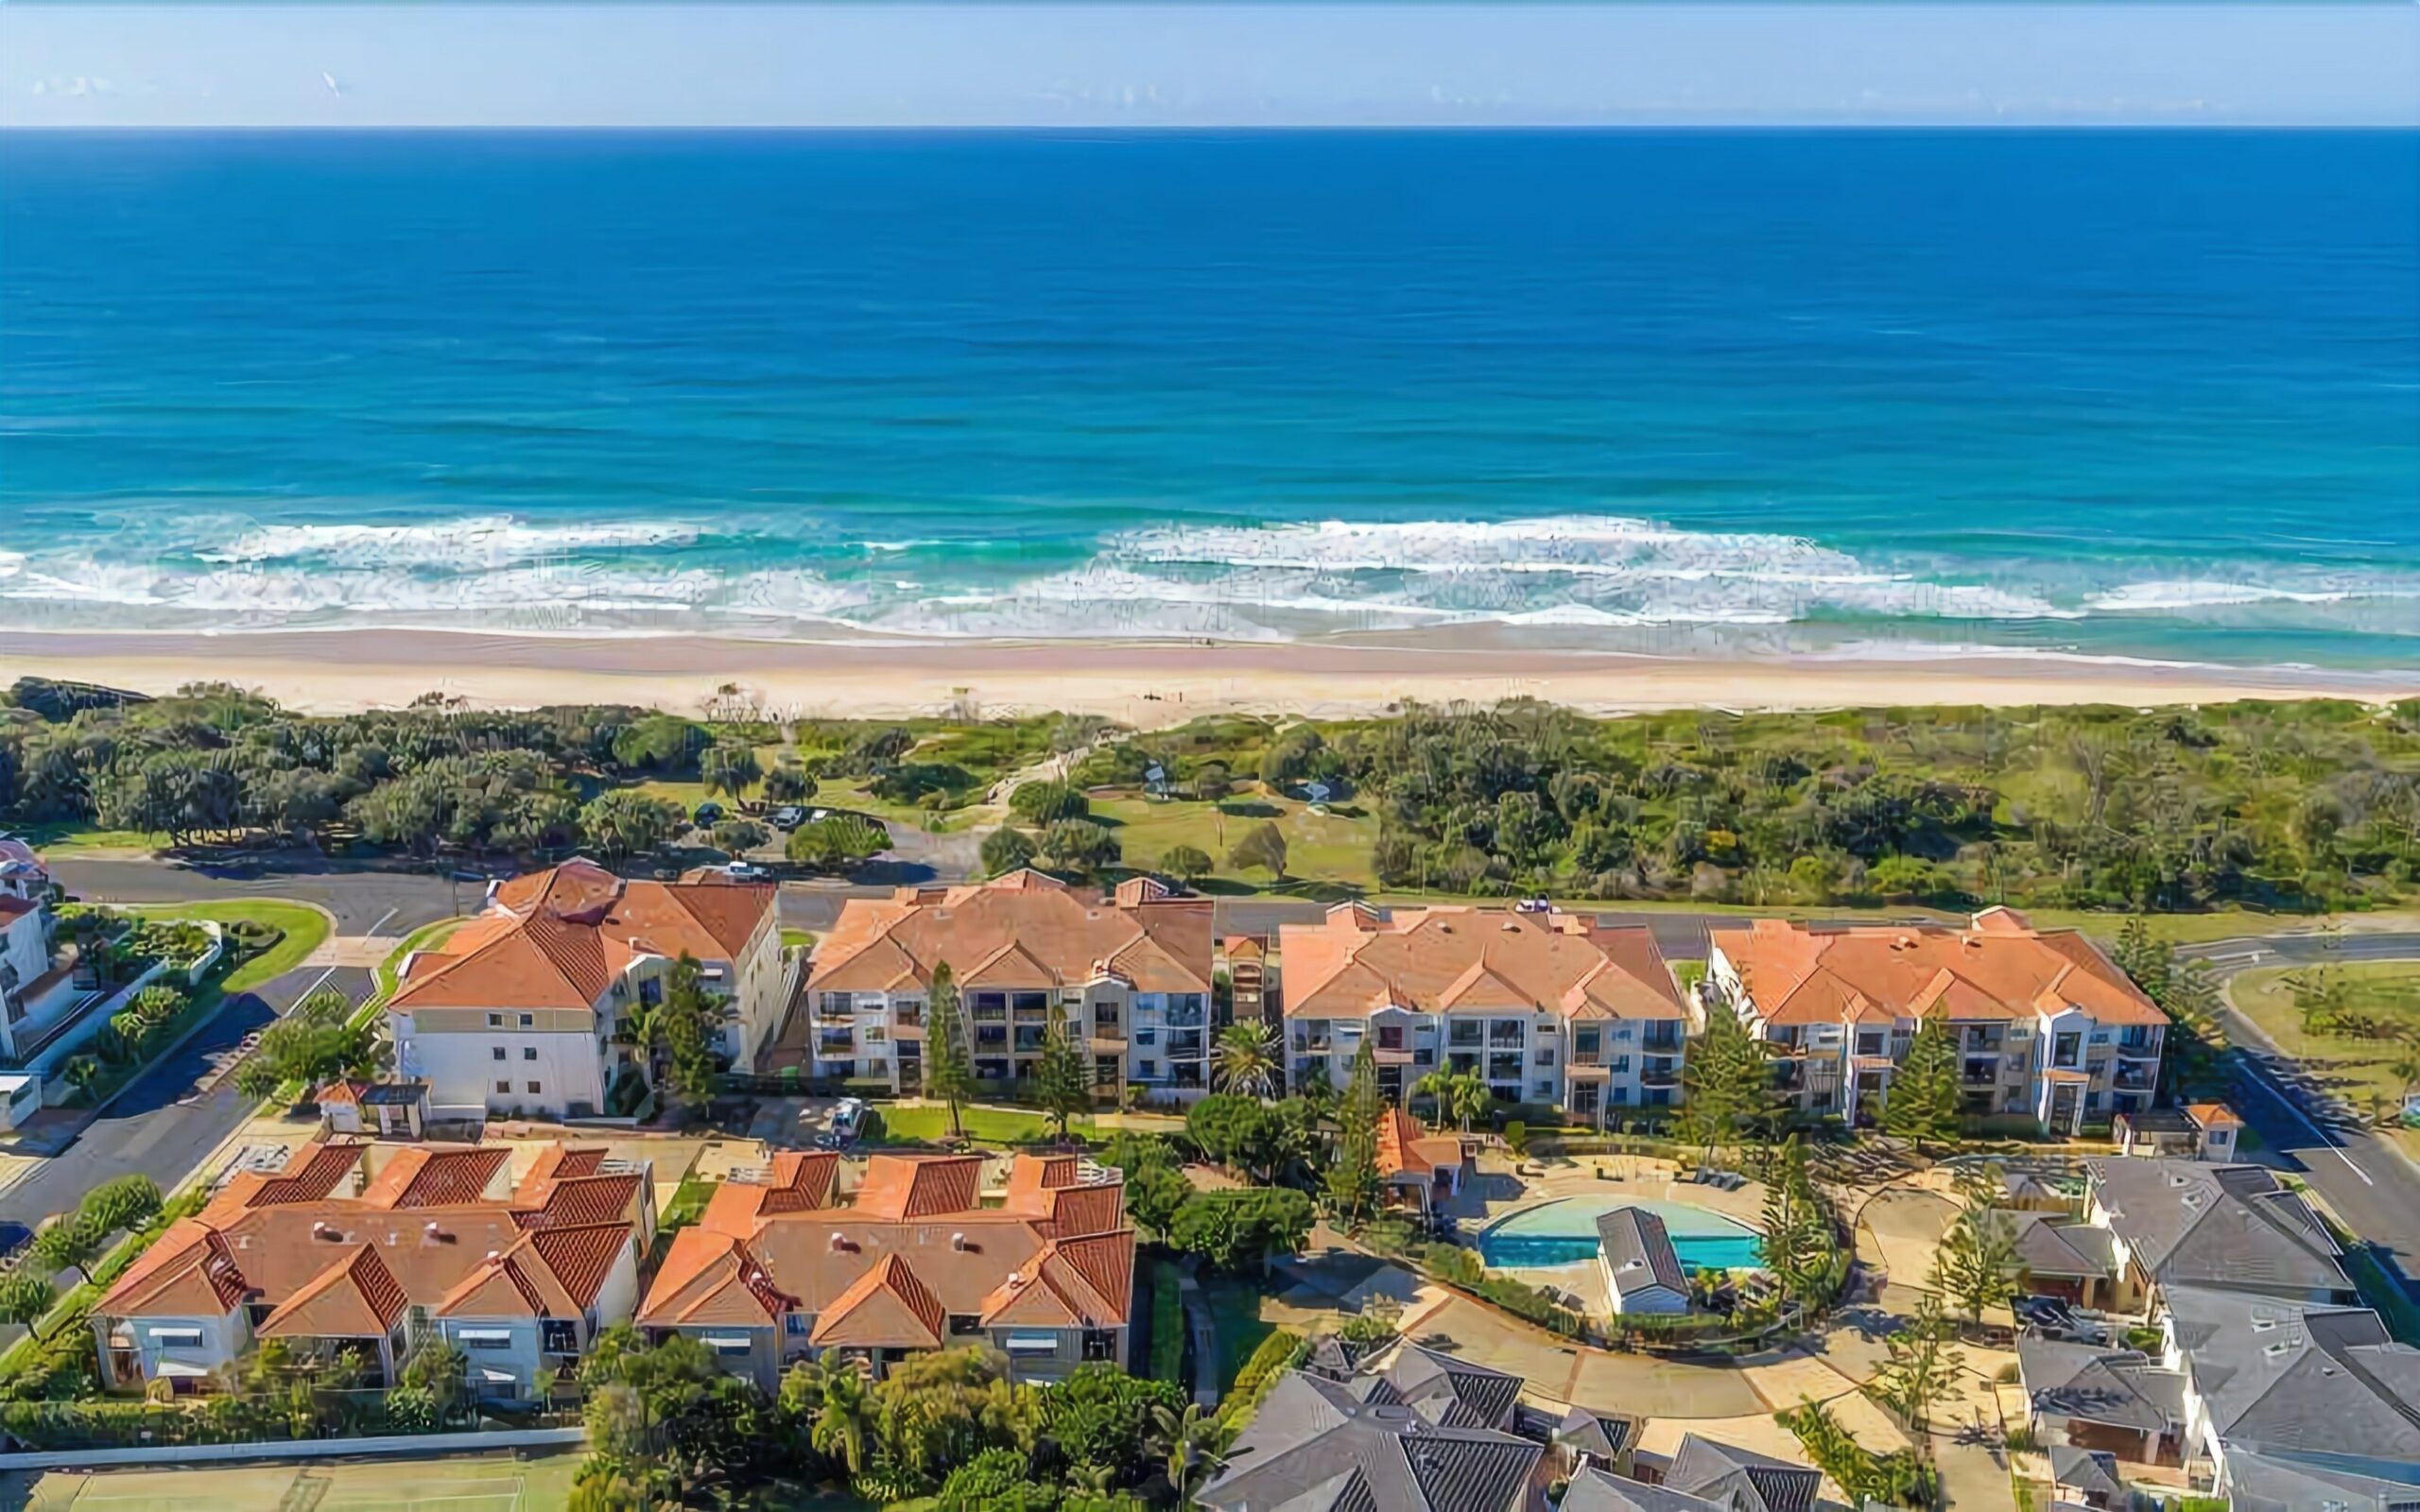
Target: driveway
[
  {"x": 163, "y": 1125},
  {"x": 392, "y": 903}
]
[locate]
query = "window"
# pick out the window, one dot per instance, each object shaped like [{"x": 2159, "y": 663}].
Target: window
[
  {"x": 495, "y": 1020},
  {"x": 1424, "y": 1058},
  {"x": 1869, "y": 1043},
  {"x": 962, "y": 1324},
  {"x": 529, "y": 1051},
  {"x": 1542, "y": 1088},
  {"x": 504, "y": 1089},
  {"x": 1033, "y": 1344},
  {"x": 1147, "y": 1036},
  {"x": 794, "y": 1324},
  {"x": 176, "y": 1335},
  {"x": 559, "y": 1335},
  {"x": 529, "y": 1019},
  {"x": 483, "y": 1338},
  {"x": 1100, "y": 1344},
  {"x": 498, "y": 1053},
  {"x": 533, "y": 1089},
  {"x": 1544, "y": 1055},
  {"x": 1146, "y": 1069},
  {"x": 726, "y": 1344}
]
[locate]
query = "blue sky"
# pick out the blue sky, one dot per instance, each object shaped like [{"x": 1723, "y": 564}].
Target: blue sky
[{"x": 1206, "y": 64}]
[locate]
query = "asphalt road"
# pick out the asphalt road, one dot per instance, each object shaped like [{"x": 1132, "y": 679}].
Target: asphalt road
[
  {"x": 162, "y": 1125},
  {"x": 2363, "y": 1176},
  {"x": 393, "y": 903}
]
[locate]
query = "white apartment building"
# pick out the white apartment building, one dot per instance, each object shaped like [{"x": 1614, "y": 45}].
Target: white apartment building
[
  {"x": 1128, "y": 976},
  {"x": 518, "y": 1009},
  {"x": 2045, "y": 1024},
  {"x": 36, "y": 995},
  {"x": 1547, "y": 1007}
]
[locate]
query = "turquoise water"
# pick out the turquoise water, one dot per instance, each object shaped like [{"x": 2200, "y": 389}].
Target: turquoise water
[
  {"x": 2151, "y": 394},
  {"x": 1564, "y": 1231}
]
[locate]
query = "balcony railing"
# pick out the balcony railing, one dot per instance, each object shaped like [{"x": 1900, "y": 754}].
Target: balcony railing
[
  {"x": 988, "y": 1014},
  {"x": 1665, "y": 1042},
  {"x": 1185, "y": 1018},
  {"x": 1310, "y": 1044},
  {"x": 1660, "y": 1076},
  {"x": 1502, "y": 1036},
  {"x": 909, "y": 1018}
]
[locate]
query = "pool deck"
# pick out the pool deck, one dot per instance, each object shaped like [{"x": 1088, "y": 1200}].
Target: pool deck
[{"x": 1497, "y": 1193}]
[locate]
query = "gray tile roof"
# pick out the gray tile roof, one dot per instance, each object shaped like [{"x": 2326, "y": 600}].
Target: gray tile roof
[
  {"x": 1322, "y": 1446},
  {"x": 2263, "y": 1481},
  {"x": 1741, "y": 1479},
  {"x": 2052, "y": 1245},
  {"x": 1453, "y": 1392},
  {"x": 1639, "y": 1252},
  {"x": 2119, "y": 1387},
  {"x": 2230, "y": 1226},
  {"x": 2301, "y": 1378},
  {"x": 2090, "y": 1470},
  {"x": 1593, "y": 1491},
  {"x": 1605, "y": 1434}
]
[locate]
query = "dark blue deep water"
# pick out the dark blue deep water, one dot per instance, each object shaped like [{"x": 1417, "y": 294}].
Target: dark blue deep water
[{"x": 2151, "y": 394}]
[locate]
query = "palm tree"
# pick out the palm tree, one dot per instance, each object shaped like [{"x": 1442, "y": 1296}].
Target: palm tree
[
  {"x": 1460, "y": 1095},
  {"x": 2406, "y": 1069},
  {"x": 1247, "y": 1059},
  {"x": 1194, "y": 1443},
  {"x": 844, "y": 1414}
]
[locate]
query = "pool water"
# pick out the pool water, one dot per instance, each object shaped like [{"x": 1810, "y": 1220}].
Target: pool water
[{"x": 1564, "y": 1233}]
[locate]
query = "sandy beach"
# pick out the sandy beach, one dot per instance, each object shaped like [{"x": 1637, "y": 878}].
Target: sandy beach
[{"x": 1145, "y": 684}]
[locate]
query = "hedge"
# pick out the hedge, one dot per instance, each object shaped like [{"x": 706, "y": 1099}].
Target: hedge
[
  {"x": 1278, "y": 1353},
  {"x": 1167, "y": 1324}
]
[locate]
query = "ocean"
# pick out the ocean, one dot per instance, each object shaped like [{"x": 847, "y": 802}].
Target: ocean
[{"x": 2144, "y": 395}]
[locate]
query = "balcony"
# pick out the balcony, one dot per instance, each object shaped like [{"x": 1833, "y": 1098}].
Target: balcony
[
  {"x": 1108, "y": 1038},
  {"x": 1504, "y": 1068},
  {"x": 1507, "y": 1036},
  {"x": 1464, "y": 1036},
  {"x": 1029, "y": 1039},
  {"x": 835, "y": 1042},
  {"x": 1591, "y": 1070},
  {"x": 2134, "y": 1077},
  {"x": 1311, "y": 1045},
  {"x": 1191, "y": 1018},
  {"x": 987, "y": 1015},
  {"x": 1661, "y": 1042},
  {"x": 1664, "y": 1074}
]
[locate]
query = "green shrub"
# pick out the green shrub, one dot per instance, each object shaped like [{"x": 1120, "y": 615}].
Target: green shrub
[{"x": 1167, "y": 1323}]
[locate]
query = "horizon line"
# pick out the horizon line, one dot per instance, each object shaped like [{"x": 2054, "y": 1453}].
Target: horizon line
[{"x": 1171, "y": 128}]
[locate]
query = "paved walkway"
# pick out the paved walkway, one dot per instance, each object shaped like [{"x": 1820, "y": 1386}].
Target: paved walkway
[
  {"x": 368, "y": 952},
  {"x": 1205, "y": 1340}
]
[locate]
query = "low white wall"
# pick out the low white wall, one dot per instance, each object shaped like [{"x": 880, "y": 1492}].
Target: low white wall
[{"x": 414, "y": 1444}]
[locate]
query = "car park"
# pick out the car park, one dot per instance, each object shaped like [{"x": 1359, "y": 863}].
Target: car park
[{"x": 788, "y": 816}]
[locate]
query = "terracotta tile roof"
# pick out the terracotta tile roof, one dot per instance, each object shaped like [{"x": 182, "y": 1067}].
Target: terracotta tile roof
[
  {"x": 963, "y": 1256},
  {"x": 356, "y": 1296},
  {"x": 585, "y": 1200},
  {"x": 918, "y": 1186},
  {"x": 1033, "y": 1177},
  {"x": 555, "y": 1163},
  {"x": 340, "y": 1091},
  {"x": 321, "y": 1166},
  {"x": 712, "y": 1278},
  {"x": 2209, "y": 1114},
  {"x": 274, "y": 1250},
  {"x": 1022, "y": 930},
  {"x": 1435, "y": 960},
  {"x": 559, "y": 938},
  {"x": 2001, "y": 969},
  {"x": 885, "y": 1308},
  {"x": 1404, "y": 1149},
  {"x": 420, "y": 1176},
  {"x": 187, "y": 1273},
  {"x": 548, "y": 1273}
]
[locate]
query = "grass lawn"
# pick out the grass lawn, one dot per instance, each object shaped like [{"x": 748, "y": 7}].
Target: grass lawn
[
  {"x": 67, "y": 840},
  {"x": 305, "y": 929},
  {"x": 1234, "y": 1317},
  {"x": 1004, "y": 1125},
  {"x": 1329, "y": 847},
  {"x": 424, "y": 938},
  {"x": 801, "y": 937},
  {"x": 2351, "y": 1058}
]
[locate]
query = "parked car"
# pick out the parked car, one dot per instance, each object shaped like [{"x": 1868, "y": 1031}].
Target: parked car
[
  {"x": 848, "y": 1117},
  {"x": 2049, "y": 1316},
  {"x": 745, "y": 872},
  {"x": 708, "y": 813},
  {"x": 788, "y": 816},
  {"x": 1534, "y": 905}
]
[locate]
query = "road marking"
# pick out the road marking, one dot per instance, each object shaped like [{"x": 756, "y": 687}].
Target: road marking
[
  {"x": 382, "y": 918},
  {"x": 2277, "y": 1090}
]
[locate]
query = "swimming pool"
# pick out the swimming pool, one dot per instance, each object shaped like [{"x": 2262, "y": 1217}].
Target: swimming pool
[{"x": 1564, "y": 1233}]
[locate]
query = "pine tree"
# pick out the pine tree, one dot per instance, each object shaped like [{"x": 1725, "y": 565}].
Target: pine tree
[
  {"x": 1352, "y": 1181},
  {"x": 2145, "y": 958},
  {"x": 1798, "y": 1233},
  {"x": 1727, "y": 1084},
  {"x": 1921, "y": 1368},
  {"x": 1977, "y": 1266},
  {"x": 1922, "y": 1101},
  {"x": 1062, "y": 1083},
  {"x": 949, "y": 1068},
  {"x": 2195, "y": 1036}
]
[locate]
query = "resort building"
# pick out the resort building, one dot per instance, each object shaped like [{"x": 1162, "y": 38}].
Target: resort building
[
  {"x": 1702, "y": 1475},
  {"x": 1430, "y": 1433},
  {"x": 518, "y": 1010},
  {"x": 1127, "y": 977},
  {"x": 1419, "y": 1170},
  {"x": 2117, "y": 1402},
  {"x": 1642, "y": 1271},
  {"x": 2292, "y": 1480},
  {"x": 778, "y": 1269},
  {"x": 2226, "y": 1227},
  {"x": 38, "y": 994},
  {"x": 375, "y": 1248},
  {"x": 2045, "y": 1024},
  {"x": 1245, "y": 959},
  {"x": 1549, "y": 1008},
  {"x": 2198, "y": 1131},
  {"x": 2259, "y": 1371}
]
